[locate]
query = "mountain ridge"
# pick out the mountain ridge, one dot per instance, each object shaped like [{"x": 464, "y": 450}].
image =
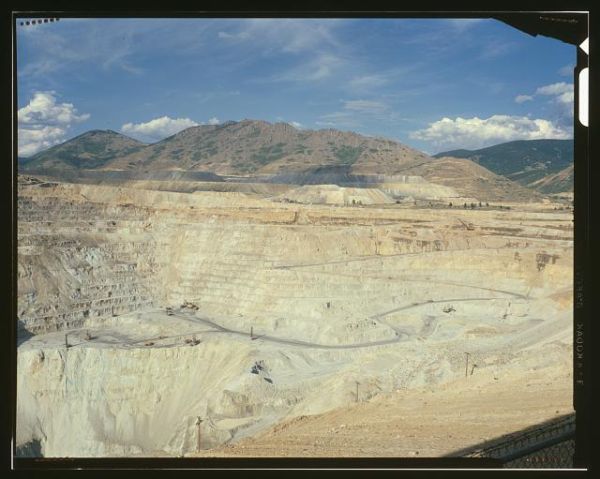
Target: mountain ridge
[
  {"x": 526, "y": 162},
  {"x": 260, "y": 147},
  {"x": 257, "y": 148},
  {"x": 91, "y": 149}
]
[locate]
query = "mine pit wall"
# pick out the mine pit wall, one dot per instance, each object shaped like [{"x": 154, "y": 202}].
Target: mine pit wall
[
  {"x": 254, "y": 275},
  {"x": 92, "y": 401},
  {"x": 80, "y": 260},
  {"x": 101, "y": 401},
  {"x": 91, "y": 252}
]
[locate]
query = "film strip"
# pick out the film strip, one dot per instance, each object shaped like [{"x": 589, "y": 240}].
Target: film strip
[
  {"x": 573, "y": 29},
  {"x": 37, "y": 21}
]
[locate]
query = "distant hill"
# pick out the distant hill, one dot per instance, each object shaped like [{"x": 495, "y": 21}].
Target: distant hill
[
  {"x": 525, "y": 162},
  {"x": 472, "y": 180},
  {"x": 253, "y": 150},
  {"x": 560, "y": 182},
  {"x": 90, "y": 150},
  {"x": 253, "y": 146},
  {"x": 464, "y": 176}
]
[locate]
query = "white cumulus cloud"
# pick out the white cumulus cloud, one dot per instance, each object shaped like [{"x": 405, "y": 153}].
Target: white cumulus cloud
[
  {"x": 296, "y": 125},
  {"x": 562, "y": 94},
  {"x": 158, "y": 128},
  {"x": 555, "y": 89},
  {"x": 473, "y": 133},
  {"x": 33, "y": 140},
  {"x": 214, "y": 121},
  {"x": 567, "y": 97},
  {"x": 44, "y": 122},
  {"x": 43, "y": 109},
  {"x": 523, "y": 98}
]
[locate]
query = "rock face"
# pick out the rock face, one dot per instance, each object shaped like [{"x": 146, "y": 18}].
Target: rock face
[
  {"x": 95, "y": 401},
  {"x": 73, "y": 267},
  {"x": 167, "y": 300}
]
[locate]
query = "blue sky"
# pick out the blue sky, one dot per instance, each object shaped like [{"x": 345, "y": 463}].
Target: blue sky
[{"x": 434, "y": 84}]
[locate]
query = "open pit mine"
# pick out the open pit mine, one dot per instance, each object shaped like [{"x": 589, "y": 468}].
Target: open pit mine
[
  {"x": 165, "y": 323},
  {"x": 331, "y": 313}
]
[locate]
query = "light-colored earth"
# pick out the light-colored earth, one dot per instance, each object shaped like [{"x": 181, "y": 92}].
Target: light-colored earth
[
  {"x": 424, "y": 422},
  {"x": 171, "y": 300}
]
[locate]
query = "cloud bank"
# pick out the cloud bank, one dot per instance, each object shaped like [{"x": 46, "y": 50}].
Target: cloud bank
[
  {"x": 44, "y": 123},
  {"x": 474, "y": 133}
]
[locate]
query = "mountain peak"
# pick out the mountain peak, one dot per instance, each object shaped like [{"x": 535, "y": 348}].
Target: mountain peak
[
  {"x": 91, "y": 149},
  {"x": 243, "y": 147},
  {"x": 252, "y": 146},
  {"x": 99, "y": 132}
]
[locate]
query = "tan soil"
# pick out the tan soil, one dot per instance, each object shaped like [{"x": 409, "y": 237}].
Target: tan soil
[{"x": 427, "y": 422}]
